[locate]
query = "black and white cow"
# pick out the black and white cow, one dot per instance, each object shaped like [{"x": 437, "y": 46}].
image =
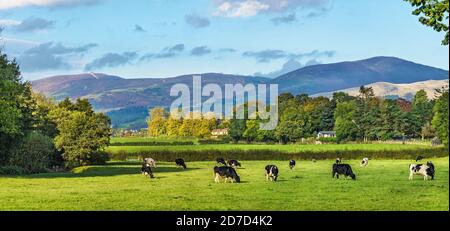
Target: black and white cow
[
  {"x": 180, "y": 162},
  {"x": 146, "y": 170},
  {"x": 426, "y": 170},
  {"x": 226, "y": 172},
  {"x": 272, "y": 172},
  {"x": 234, "y": 163},
  {"x": 343, "y": 169},
  {"x": 291, "y": 164},
  {"x": 338, "y": 160},
  {"x": 151, "y": 162},
  {"x": 221, "y": 161},
  {"x": 364, "y": 162}
]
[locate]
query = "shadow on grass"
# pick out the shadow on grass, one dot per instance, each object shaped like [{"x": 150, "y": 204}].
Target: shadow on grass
[{"x": 110, "y": 169}]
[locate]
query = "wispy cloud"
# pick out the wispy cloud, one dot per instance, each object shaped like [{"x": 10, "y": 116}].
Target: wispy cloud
[
  {"x": 197, "y": 21},
  {"x": 10, "y": 4},
  {"x": 167, "y": 52},
  {"x": 138, "y": 28},
  {"x": 111, "y": 60},
  {"x": 269, "y": 55},
  {"x": 33, "y": 24},
  {"x": 200, "y": 51},
  {"x": 49, "y": 56},
  {"x": 290, "y": 65},
  {"x": 248, "y": 8},
  {"x": 290, "y": 18}
]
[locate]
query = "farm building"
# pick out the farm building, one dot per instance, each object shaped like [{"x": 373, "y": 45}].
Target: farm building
[
  {"x": 326, "y": 134},
  {"x": 219, "y": 132}
]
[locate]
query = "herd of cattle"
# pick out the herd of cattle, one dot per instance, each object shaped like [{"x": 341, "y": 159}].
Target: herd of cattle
[{"x": 227, "y": 170}]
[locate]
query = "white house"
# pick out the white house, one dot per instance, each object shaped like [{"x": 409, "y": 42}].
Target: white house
[{"x": 326, "y": 134}]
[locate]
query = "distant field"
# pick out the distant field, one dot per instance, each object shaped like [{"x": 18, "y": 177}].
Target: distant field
[
  {"x": 284, "y": 148},
  {"x": 383, "y": 185},
  {"x": 148, "y": 139}
]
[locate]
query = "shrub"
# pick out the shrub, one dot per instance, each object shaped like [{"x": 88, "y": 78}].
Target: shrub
[
  {"x": 13, "y": 170},
  {"x": 36, "y": 153},
  {"x": 328, "y": 140},
  {"x": 98, "y": 158},
  {"x": 211, "y": 155},
  {"x": 213, "y": 141},
  {"x": 119, "y": 155}
]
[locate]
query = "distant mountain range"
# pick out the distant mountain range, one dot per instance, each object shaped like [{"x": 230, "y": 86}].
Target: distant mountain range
[
  {"x": 126, "y": 101},
  {"x": 391, "y": 90}
]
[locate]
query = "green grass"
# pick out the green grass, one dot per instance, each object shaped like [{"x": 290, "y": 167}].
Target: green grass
[
  {"x": 149, "y": 139},
  {"x": 383, "y": 185},
  {"x": 284, "y": 148}
]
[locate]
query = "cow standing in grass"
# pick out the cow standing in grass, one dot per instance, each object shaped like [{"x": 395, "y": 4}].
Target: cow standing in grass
[
  {"x": 180, "y": 162},
  {"x": 226, "y": 172},
  {"x": 272, "y": 172},
  {"x": 364, "y": 162},
  {"x": 426, "y": 171},
  {"x": 291, "y": 164},
  {"x": 146, "y": 170},
  {"x": 343, "y": 169}
]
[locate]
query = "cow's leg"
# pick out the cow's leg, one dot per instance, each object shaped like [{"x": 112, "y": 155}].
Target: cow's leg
[
  {"x": 267, "y": 176},
  {"x": 411, "y": 175},
  {"x": 217, "y": 178}
]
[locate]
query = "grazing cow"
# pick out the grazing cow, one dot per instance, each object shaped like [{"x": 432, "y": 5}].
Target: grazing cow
[
  {"x": 291, "y": 164},
  {"x": 221, "y": 161},
  {"x": 180, "y": 162},
  {"x": 343, "y": 169},
  {"x": 146, "y": 170},
  {"x": 151, "y": 162},
  {"x": 338, "y": 160},
  {"x": 419, "y": 158},
  {"x": 271, "y": 172},
  {"x": 234, "y": 163},
  {"x": 226, "y": 172},
  {"x": 426, "y": 171},
  {"x": 364, "y": 162}
]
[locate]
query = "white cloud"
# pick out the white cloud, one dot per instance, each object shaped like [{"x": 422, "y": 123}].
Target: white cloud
[
  {"x": 248, "y": 8},
  {"x": 8, "y": 22},
  {"x": 10, "y": 4}
]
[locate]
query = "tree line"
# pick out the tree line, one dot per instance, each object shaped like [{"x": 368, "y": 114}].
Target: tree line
[
  {"x": 37, "y": 134},
  {"x": 359, "y": 118}
]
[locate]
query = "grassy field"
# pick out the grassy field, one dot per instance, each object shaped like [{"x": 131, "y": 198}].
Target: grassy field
[
  {"x": 383, "y": 185},
  {"x": 285, "y": 148}
]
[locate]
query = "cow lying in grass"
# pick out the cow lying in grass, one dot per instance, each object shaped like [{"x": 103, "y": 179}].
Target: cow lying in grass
[
  {"x": 272, "y": 172},
  {"x": 234, "y": 163},
  {"x": 180, "y": 162},
  {"x": 426, "y": 171},
  {"x": 343, "y": 169},
  {"x": 226, "y": 172},
  {"x": 146, "y": 170}
]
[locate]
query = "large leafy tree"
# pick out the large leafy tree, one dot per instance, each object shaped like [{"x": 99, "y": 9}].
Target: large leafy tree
[
  {"x": 440, "y": 118},
  {"x": 433, "y": 13},
  {"x": 82, "y": 134},
  {"x": 16, "y": 107}
]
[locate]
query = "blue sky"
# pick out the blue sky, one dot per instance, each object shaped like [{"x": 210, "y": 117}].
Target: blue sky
[{"x": 165, "y": 38}]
